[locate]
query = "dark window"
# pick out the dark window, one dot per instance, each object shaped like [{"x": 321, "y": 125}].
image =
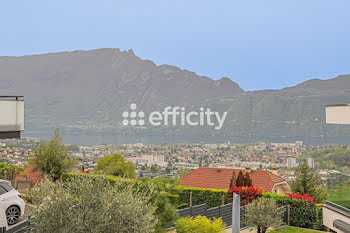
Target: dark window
[
  {"x": 6, "y": 186},
  {"x": 2, "y": 190}
]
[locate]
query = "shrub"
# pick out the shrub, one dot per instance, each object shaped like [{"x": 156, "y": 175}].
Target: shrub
[
  {"x": 9, "y": 171},
  {"x": 213, "y": 197},
  {"x": 112, "y": 179},
  {"x": 115, "y": 165},
  {"x": 306, "y": 197},
  {"x": 165, "y": 212},
  {"x": 91, "y": 205},
  {"x": 52, "y": 157},
  {"x": 248, "y": 194},
  {"x": 199, "y": 224},
  {"x": 302, "y": 214},
  {"x": 263, "y": 213},
  {"x": 162, "y": 195},
  {"x": 277, "y": 197}
]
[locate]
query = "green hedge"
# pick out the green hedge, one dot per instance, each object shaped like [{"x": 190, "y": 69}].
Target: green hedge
[
  {"x": 213, "y": 197},
  {"x": 136, "y": 184},
  {"x": 112, "y": 179},
  {"x": 301, "y": 214}
]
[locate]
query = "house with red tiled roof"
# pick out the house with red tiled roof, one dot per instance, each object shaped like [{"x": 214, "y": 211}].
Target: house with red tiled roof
[{"x": 219, "y": 178}]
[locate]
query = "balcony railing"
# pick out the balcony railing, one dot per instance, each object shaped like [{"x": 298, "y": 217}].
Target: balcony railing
[{"x": 11, "y": 116}]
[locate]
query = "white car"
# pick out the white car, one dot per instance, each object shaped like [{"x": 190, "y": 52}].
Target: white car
[{"x": 11, "y": 201}]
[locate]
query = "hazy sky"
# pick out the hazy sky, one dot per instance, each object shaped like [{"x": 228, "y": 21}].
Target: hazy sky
[{"x": 265, "y": 44}]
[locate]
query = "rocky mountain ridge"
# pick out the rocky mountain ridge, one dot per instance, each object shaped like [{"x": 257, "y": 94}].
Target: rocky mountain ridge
[{"x": 85, "y": 92}]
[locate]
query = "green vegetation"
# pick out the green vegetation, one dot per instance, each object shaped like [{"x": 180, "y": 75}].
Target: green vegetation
[
  {"x": 168, "y": 197},
  {"x": 213, "y": 197},
  {"x": 293, "y": 230},
  {"x": 115, "y": 165},
  {"x": 179, "y": 195},
  {"x": 338, "y": 185},
  {"x": 9, "y": 171},
  {"x": 303, "y": 214},
  {"x": 263, "y": 213},
  {"x": 336, "y": 157},
  {"x": 91, "y": 205},
  {"x": 163, "y": 196},
  {"x": 339, "y": 190},
  {"x": 52, "y": 157},
  {"x": 199, "y": 224},
  {"x": 307, "y": 181}
]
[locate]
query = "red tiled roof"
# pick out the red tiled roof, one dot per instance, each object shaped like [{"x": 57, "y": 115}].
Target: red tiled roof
[
  {"x": 30, "y": 173},
  {"x": 219, "y": 178}
]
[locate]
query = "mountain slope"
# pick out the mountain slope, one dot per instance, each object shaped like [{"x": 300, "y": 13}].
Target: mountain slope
[{"x": 84, "y": 93}]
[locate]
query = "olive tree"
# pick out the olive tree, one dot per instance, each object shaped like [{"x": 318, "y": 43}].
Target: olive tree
[
  {"x": 263, "y": 213},
  {"x": 90, "y": 205}
]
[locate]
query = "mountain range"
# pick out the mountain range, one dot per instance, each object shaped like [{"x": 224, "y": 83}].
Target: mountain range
[{"x": 84, "y": 93}]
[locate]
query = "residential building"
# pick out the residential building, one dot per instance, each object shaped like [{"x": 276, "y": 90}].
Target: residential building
[
  {"x": 219, "y": 178},
  {"x": 311, "y": 162},
  {"x": 291, "y": 162}
]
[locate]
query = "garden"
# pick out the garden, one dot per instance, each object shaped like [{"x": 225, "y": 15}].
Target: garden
[
  {"x": 112, "y": 199},
  {"x": 304, "y": 211}
]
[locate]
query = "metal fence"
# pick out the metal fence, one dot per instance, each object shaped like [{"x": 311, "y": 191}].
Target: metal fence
[{"x": 224, "y": 212}]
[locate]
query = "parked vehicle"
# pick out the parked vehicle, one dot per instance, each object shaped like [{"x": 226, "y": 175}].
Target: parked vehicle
[{"x": 11, "y": 201}]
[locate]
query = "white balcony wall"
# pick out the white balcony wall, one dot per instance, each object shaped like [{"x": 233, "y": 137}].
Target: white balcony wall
[
  {"x": 11, "y": 115},
  {"x": 338, "y": 114}
]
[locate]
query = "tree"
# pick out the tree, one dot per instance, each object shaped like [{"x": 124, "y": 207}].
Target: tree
[
  {"x": 241, "y": 180},
  {"x": 90, "y": 205},
  {"x": 52, "y": 157},
  {"x": 247, "y": 181},
  {"x": 233, "y": 180},
  {"x": 115, "y": 165},
  {"x": 306, "y": 181},
  {"x": 263, "y": 213}
]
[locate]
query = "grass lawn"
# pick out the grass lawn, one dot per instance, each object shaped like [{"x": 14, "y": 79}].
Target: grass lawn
[{"x": 293, "y": 230}]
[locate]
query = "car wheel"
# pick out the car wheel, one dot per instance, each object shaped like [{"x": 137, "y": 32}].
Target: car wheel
[{"x": 12, "y": 215}]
